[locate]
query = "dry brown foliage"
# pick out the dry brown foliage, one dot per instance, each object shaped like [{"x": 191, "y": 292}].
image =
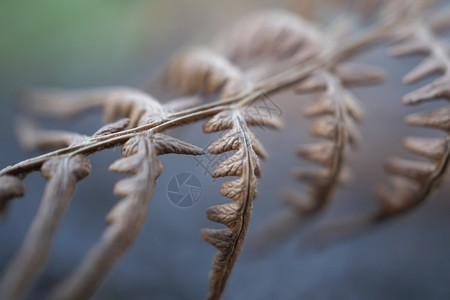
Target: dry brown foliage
[{"x": 263, "y": 54}]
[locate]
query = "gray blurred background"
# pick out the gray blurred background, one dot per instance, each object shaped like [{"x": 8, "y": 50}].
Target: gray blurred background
[{"x": 78, "y": 44}]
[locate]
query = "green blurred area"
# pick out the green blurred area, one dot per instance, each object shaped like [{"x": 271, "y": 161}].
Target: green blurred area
[
  {"x": 82, "y": 43},
  {"x": 87, "y": 43},
  {"x": 51, "y": 31}
]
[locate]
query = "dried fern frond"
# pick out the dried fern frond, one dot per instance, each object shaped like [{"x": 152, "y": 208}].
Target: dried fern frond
[
  {"x": 248, "y": 52},
  {"x": 127, "y": 217},
  {"x": 32, "y": 138},
  {"x": 27, "y": 266},
  {"x": 336, "y": 111},
  {"x": 244, "y": 164},
  {"x": 264, "y": 54},
  {"x": 260, "y": 42},
  {"x": 414, "y": 181},
  {"x": 134, "y": 104},
  {"x": 411, "y": 181},
  {"x": 62, "y": 175},
  {"x": 10, "y": 187},
  {"x": 350, "y": 75},
  {"x": 202, "y": 71}
]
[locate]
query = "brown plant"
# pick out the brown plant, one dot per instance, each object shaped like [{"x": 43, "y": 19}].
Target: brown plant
[{"x": 263, "y": 54}]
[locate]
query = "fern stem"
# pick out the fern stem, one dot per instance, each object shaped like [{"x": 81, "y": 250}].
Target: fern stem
[{"x": 63, "y": 174}]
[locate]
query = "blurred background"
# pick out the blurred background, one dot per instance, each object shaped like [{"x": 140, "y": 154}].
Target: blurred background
[{"x": 82, "y": 44}]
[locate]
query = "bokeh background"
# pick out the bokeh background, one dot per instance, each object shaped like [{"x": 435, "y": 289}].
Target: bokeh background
[{"x": 79, "y": 44}]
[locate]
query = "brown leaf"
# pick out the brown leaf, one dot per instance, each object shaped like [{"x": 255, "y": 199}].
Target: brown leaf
[
  {"x": 10, "y": 187},
  {"x": 427, "y": 68},
  {"x": 126, "y": 102},
  {"x": 311, "y": 84},
  {"x": 328, "y": 127},
  {"x": 440, "y": 88},
  {"x": 409, "y": 47},
  {"x": 111, "y": 128},
  {"x": 276, "y": 34},
  {"x": 432, "y": 148},
  {"x": 439, "y": 119},
  {"x": 31, "y": 138},
  {"x": 256, "y": 117},
  {"x": 232, "y": 166},
  {"x": 219, "y": 122},
  {"x": 301, "y": 203},
  {"x": 202, "y": 71},
  {"x": 324, "y": 105},
  {"x": 244, "y": 163},
  {"x": 353, "y": 107},
  {"x": 396, "y": 199},
  {"x": 322, "y": 153},
  {"x": 415, "y": 170},
  {"x": 358, "y": 74},
  {"x": 229, "y": 141},
  {"x": 314, "y": 176},
  {"x": 62, "y": 173},
  {"x": 125, "y": 221},
  {"x": 225, "y": 213},
  {"x": 163, "y": 144},
  {"x": 219, "y": 238}
]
